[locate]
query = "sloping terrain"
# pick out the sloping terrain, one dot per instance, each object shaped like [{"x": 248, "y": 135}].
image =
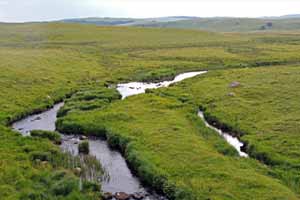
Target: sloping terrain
[
  {"x": 46, "y": 62},
  {"x": 217, "y": 24},
  {"x": 220, "y": 24},
  {"x": 124, "y": 21},
  {"x": 262, "y": 110}
]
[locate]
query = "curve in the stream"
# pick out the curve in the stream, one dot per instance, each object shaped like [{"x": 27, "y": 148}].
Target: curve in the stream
[{"x": 118, "y": 177}]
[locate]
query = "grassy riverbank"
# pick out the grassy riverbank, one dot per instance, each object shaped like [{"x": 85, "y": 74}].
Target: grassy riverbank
[
  {"x": 171, "y": 149},
  {"x": 162, "y": 137},
  {"x": 35, "y": 169},
  {"x": 43, "y": 62}
]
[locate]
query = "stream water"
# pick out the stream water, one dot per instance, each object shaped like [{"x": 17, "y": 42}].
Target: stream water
[
  {"x": 233, "y": 141},
  {"x": 117, "y": 177},
  {"x": 134, "y": 88}
]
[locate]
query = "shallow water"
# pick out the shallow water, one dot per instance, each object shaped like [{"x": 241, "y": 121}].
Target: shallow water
[
  {"x": 134, "y": 88},
  {"x": 233, "y": 141},
  {"x": 117, "y": 176},
  {"x": 43, "y": 121}
]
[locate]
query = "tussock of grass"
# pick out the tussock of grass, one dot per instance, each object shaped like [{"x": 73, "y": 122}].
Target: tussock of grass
[
  {"x": 89, "y": 99},
  {"x": 83, "y": 147},
  {"x": 52, "y": 136}
]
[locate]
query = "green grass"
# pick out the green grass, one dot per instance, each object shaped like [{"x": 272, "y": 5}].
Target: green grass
[
  {"x": 33, "y": 169},
  {"x": 264, "y": 110},
  {"x": 160, "y": 134},
  {"x": 171, "y": 149},
  {"x": 88, "y": 98},
  {"x": 44, "y": 62},
  {"x": 52, "y": 136}
]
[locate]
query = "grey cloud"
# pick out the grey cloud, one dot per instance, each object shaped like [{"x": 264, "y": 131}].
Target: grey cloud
[
  {"x": 40, "y": 10},
  {"x": 44, "y": 10}
]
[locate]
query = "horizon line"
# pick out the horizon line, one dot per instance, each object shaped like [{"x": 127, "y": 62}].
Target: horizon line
[{"x": 102, "y": 17}]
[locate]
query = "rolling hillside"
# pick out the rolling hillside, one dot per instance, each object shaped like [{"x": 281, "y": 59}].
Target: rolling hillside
[
  {"x": 233, "y": 24},
  {"x": 164, "y": 141},
  {"x": 220, "y": 24},
  {"x": 106, "y": 21}
]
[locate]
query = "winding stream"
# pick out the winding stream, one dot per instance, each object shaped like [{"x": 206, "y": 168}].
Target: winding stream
[
  {"x": 117, "y": 177},
  {"x": 233, "y": 141}
]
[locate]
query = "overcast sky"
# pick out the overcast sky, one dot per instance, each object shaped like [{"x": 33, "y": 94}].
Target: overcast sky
[{"x": 39, "y": 10}]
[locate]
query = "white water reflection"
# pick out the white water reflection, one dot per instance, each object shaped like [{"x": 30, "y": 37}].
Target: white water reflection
[
  {"x": 233, "y": 141},
  {"x": 134, "y": 88}
]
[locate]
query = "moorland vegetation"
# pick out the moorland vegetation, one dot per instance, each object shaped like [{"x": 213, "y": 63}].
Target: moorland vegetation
[{"x": 159, "y": 133}]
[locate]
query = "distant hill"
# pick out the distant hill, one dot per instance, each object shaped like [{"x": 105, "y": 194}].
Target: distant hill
[
  {"x": 219, "y": 24},
  {"x": 288, "y": 16},
  {"x": 125, "y": 21},
  {"x": 233, "y": 24},
  {"x": 100, "y": 21}
]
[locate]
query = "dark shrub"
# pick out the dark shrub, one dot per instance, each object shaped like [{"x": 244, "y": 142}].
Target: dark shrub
[
  {"x": 269, "y": 24},
  {"x": 84, "y": 147}
]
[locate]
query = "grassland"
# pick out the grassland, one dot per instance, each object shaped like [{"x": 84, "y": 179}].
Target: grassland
[
  {"x": 263, "y": 111},
  {"x": 70, "y": 57},
  {"x": 227, "y": 24},
  {"x": 172, "y": 150},
  {"x": 43, "y": 63},
  {"x": 216, "y": 24}
]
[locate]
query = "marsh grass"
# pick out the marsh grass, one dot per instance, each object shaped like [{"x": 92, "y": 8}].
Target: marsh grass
[
  {"x": 170, "y": 150},
  {"x": 51, "y": 135},
  {"x": 83, "y": 147},
  {"x": 37, "y": 170},
  {"x": 263, "y": 112}
]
